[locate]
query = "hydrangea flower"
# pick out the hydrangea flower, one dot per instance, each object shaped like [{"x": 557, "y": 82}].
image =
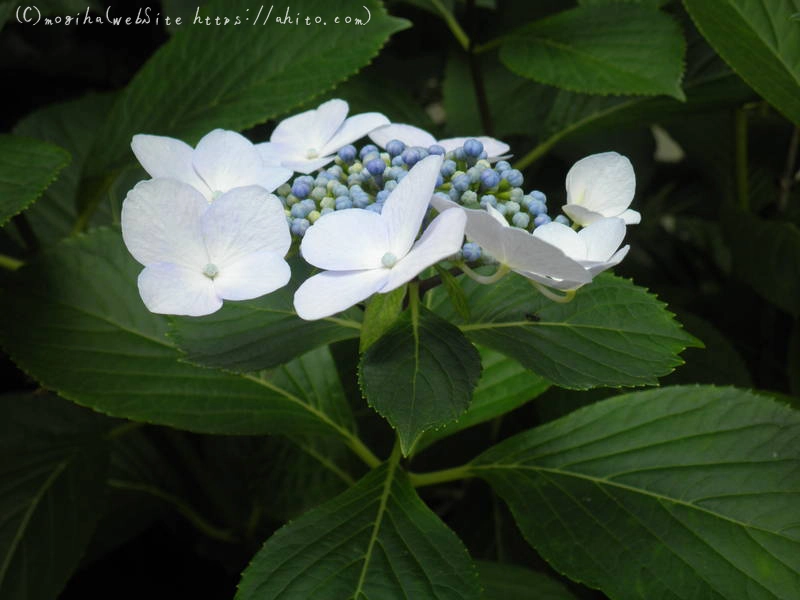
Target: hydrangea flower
[
  {"x": 601, "y": 185},
  {"x": 516, "y": 249},
  {"x": 308, "y": 141},
  {"x": 365, "y": 252},
  {"x": 222, "y": 160},
  {"x": 196, "y": 254},
  {"x": 414, "y": 136}
]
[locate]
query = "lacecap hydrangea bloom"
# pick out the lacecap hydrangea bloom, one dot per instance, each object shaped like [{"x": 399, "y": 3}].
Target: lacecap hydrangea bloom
[{"x": 222, "y": 160}]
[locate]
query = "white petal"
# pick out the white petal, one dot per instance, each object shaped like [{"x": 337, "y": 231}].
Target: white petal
[
  {"x": 273, "y": 177},
  {"x": 306, "y": 166},
  {"x": 161, "y": 223},
  {"x": 494, "y": 148},
  {"x": 604, "y": 183},
  {"x": 273, "y": 154},
  {"x": 559, "y": 284},
  {"x": 252, "y": 275},
  {"x": 226, "y": 159},
  {"x": 354, "y": 128},
  {"x": 602, "y": 238},
  {"x": 598, "y": 268},
  {"x": 441, "y": 239},
  {"x": 167, "y": 157},
  {"x": 243, "y": 221},
  {"x": 407, "y": 204},
  {"x": 580, "y": 214},
  {"x": 408, "y": 134},
  {"x": 631, "y": 217},
  {"x": 171, "y": 289},
  {"x": 346, "y": 240},
  {"x": 564, "y": 238},
  {"x": 331, "y": 292},
  {"x": 313, "y": 128}
]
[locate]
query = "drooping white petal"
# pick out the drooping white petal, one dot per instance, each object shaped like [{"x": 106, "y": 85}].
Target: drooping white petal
[
  {"x": 580, "y": 214},
  {"x": 273, "y": 177},
  {"x": 631, "y": 217},
  {"x": 604, "y": 183},
  {"x": 494, "y": 148},
  {"x": 407, "y": 204},
  {"x": 331, "y": 292},
  {"x": 166, "y": 157},
  {"x": 352, "y": 129},
  {"x": 161, "y": 223},
  {"x": 441, "y": 239},
  {"x": 346, "y": 240},
  {"x": 170, "y": 289},
  {"x": 252, "y": 275},
  {"x": 601, "y": 239},
  {"x": 408, "y": 134},
  {"x": 243, "y": 221},
  {"x": 226, "y": 159},
  {"x": 597, "y": 268},
  {"x": 564, "y": 238}
]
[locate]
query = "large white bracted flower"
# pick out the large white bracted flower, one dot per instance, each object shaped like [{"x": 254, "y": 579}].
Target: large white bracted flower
[
  {"x": 515, "y": 248},
  {"x": 365, "y": 252},
  {"x": 196, "y": 254},
  {"x": 309, "y": 140},
  {"x": 222, "y": 160},
  {"x": 601, "y": 185},
  {"x": 414, "y": 136}
]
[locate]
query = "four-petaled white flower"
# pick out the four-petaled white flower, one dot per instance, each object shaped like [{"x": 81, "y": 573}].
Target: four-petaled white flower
[
  {"x": 309, "y": 140},
  {"x": 526, "y": 254},
  {"x": 222, "y": 160},
  {"x": 601, "y": 185},
  {"x": 196, "y": 254},
  {"x": 365, "y": 252},
  {"x": 414, "y": 136}
]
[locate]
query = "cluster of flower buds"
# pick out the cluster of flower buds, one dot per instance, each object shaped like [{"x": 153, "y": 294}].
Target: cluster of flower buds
[{"x": 208, "y": 228}]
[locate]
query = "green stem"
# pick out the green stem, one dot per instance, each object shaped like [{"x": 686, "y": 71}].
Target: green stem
[
  {"x": 741, "y": 160},
  {"x": 443, "y": 476},
  {"x": 324, "y": 461},
  {"x": 360, "y": 449},
  {"x": 490, "y": 45},
  {"x": 448, "y": 17},
  {"x": 548, "y": 293},
  {"x": 10, "y": 263},
  {"x": 222, "y": 535},
  {"x": 485, "y": 279}
]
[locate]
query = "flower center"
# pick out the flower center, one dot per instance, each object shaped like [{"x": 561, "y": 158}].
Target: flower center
[
  {"x": 388, "y": 260},
  {"x": 216, "y": 195},
  {"x": 210, "y": 270},
  {"x": 312, "y": 153}
]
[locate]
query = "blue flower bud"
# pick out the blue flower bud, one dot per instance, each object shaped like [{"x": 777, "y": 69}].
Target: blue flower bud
[
  {"x": 327, "y": 202},
  {"x": 382, "y": 196},
  {"x": 436, "y": 149},
  {"x": 448, "y": 168},
  {"x": 514, "y": 177},
  {"x": 318, "y": 193},
  {"x": 471, "y": 252},
  {"x": 397, "y": 161},
  {"x": 454, "y": 194},
  {"x": 370, "y": 156},
  {"x": 537, "y": 207},
  {"x": 501, "y": 208},
  {"x": 360, "y": 201},
  {"x": 335, "y": 171},
  {"x": 395, "y": 148},
  {"x": 411, "y": 156},
  {"x": 367, "y": 150},
  {"x": 542, "y": 219},
  {"x": 488, "y": 199},
  {"x": 483, "y": 155},
  {"x": 390, "y": 185},
  {"x": 348, "y": 153},
  {"x": 443, "y": 195},
  {"x": 301, "y": 189},
  {"x": 309, "y": 204},
  {"x": 461, "y": 182},
  {"x": 521, "y": 219},
  {"x": 376, "y": 167},
  {"x": 502, "y": 166},
  {"x": 536, "y": 194},
  {"x": 326, "y": 211},
  {"x": 512, "y": 207},
  {"x": 473, "y": 148},
  {"x": 459, "y": 154},
  {"x": 299, "y": 226},
  {"x": 563, "y": 220},
  {"x": 516, "y": 194},
  {"x": 343, "y": 202},
  {"x": 489, "y": 178},
  {"x": 439, "y": 180},
  {"x": 375, "y": 207},
  {"x": 474, "y": 175},
  {"x": 469, "y": 197},
  {"x": 299, "y": 211}
]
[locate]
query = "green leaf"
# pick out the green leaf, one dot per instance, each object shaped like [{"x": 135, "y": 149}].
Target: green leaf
[
  {"x": 758, "y": 39},
  {"x": 27, "y": 167},
  {"x": 681, "y": 492},
  {"x": 377, "y": 540},
  {"x": 511, "y": 582},
  {"x": 420, "y": 374},
  {"x": 80, "y": 302},
  {"x": 382, "y": 312},
  {"x": 261, "y": 333},
  {"x": 239, "y": 76},
  {"x": 71, "y": 125},
  {"x": 52, "y": 483},
  {"x": 612, "y": 333},
  {"x": 454, "y": 292},
  {"x": 504, "y": 385},
  {"x": 619, "y": 49}
]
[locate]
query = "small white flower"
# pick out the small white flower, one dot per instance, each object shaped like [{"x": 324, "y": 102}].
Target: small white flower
[
  {"x": 414, "y": 136},
  {"x": 601, "y": 185},
  {"x": 309, "y": 140},
  {"x": 196, "y": 254},
  {"x": 526, "y": 254},
  {"x": 365, "y": 252},
  {"x": 223, "y": 160}
]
